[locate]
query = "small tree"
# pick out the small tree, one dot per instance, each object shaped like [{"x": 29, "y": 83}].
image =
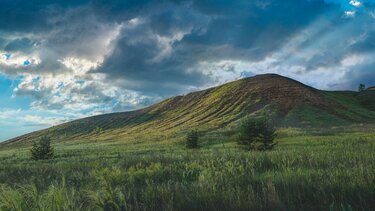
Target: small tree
[
  {"x": 267, "y": 133},
  {"x": 361, "y": 87},
  {"x": 42, "y": 149},
  {"x": 98, "y": 130},
  {"x": 248, "y": 132},
  {"x": 192, "y": 139},
  {"x": 257, "y": 133}
]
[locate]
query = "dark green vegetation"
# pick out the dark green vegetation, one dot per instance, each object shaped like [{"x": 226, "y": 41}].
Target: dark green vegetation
[
  {"x": 42, "y": 149},
  {"x": 256, "y": 133},
  {"x": 324, "y": 159},
  {"x": 192, "y": 139}
]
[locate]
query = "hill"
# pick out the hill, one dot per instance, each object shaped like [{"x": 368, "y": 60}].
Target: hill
[{"x": 290, "y": 102}]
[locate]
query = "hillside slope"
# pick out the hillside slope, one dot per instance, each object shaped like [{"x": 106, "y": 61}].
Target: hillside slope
[{"x": 291, "y": 102}]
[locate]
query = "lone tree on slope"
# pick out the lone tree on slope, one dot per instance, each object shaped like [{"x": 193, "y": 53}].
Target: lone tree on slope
[
  {"x": 257, "y": 133},
  {"x": 192, "y": 139},
  {"x": 42, "y": 149}
]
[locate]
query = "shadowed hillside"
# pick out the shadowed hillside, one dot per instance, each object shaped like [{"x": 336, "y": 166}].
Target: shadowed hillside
[
  {"x": 290, "y": 102},
  {"x": 367, "y": 98}
]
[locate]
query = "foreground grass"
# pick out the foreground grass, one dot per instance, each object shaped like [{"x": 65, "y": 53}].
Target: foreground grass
[{"x": 309, "y": 170}]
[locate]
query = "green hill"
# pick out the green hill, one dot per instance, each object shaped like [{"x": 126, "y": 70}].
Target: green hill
[
  {"x": 290, "y": 102},
  {"x": 138, "y": 160}
]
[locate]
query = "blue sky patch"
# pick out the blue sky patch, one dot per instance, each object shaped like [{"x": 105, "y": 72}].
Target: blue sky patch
[{"x": 26, "y": 63}]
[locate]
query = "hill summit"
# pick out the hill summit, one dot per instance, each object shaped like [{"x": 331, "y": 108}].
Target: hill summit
[{"x": 290, "y": 102}]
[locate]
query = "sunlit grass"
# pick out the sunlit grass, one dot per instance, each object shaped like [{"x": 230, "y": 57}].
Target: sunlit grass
[{"x": 311, "y": 169}]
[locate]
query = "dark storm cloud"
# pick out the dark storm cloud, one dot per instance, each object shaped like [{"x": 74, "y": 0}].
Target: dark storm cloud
[
  {"x": 23, "y": 45},
  {"x": 32, "y": 16},
  {"x": 214, "y": 30},
  {"x": 156, "y": 48},
  {"x": 150, "y": 54},
  {"x": 255, "y": 24}
]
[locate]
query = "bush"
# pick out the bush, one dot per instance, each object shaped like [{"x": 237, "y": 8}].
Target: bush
[
  {"x": 192, "y": 139},
  {"x": 42, "y": 149},
  {"x": 98, "y": 130},
  {"x": 257, "y": 133}
]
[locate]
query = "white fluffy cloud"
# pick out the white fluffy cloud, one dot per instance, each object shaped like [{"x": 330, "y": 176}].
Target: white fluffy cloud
[
  {"x": 77, "y": 92},
  {"x": 17, "y": 60},
  {"x": 79, "y": 66},
  {"x": 350, "y": 14},
  {"x": 355, "y": 3},
  {"x": 69, "y": 84}
]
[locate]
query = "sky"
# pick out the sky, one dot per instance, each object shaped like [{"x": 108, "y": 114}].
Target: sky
[{"x": 67, "y": 59}]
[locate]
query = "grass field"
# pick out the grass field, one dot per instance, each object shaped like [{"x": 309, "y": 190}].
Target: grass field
[{"x": 310, "y": 169}]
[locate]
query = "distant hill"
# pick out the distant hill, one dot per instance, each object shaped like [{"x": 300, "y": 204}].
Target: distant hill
[{"x": 290, "y": 102}]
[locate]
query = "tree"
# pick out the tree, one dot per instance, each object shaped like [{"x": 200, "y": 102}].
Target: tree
[
  {"x": 361, "y": 87},
  {"x": 42, "y": 149},
  {"x": 98, "y": 130},
  {"x": 257, "y": 133},
  {"x": 267, "y": 133},
  {"x": 248, "y": 132},
  {"x": 192, "y": 139}
]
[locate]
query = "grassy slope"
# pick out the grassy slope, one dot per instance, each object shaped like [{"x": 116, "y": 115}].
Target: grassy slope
[
  {"x": 367, "y": 99},
  {"x": 220, "y": 108}
]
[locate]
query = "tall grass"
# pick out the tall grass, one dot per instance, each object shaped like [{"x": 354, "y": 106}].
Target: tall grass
[{"x": 306, "y": 171}]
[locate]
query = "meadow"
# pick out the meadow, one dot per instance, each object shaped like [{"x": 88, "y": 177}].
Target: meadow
[{"x": 309, "y": 169}]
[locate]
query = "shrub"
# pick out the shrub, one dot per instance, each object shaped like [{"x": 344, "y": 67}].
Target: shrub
[
  {"x": 192, "y": 139},
  {"x": 42, "y": 149},
  {"x": 98, "y": 130},
  {"x": 257, "y": 133}
]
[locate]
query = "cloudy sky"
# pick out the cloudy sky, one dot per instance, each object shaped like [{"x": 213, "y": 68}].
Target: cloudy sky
[{"x": 66, "y": 59}]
